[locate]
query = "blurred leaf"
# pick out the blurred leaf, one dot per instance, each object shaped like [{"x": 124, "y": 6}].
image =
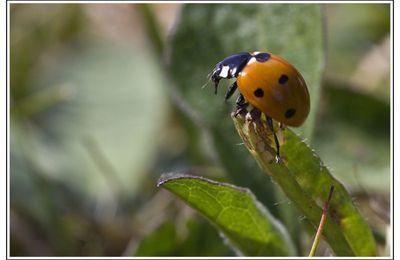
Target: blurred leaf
[
  {"x": 202, "y": 240},
  {"x": 358, "y": 129},
  {"x": 306, "y": 181},
  {"x": 250, "y": 229},
  {"x": 166, "y": 240},
  {"x": 101, "y": 138},
  {"x": 161, "y": 242},
  {"x": 52, "y": 27},
  {"x": 354, "y": 37}
]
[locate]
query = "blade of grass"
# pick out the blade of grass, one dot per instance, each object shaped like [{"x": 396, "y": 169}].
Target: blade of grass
[{"x": 152, "y": 27}]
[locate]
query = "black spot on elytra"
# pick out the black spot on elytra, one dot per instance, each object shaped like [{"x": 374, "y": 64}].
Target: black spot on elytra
[
  {"x": 290, "y": 112},
  {"x": 262, "y": 57},
  {"x": 283, "y": 79},
  {"x": 259, "y": 92}
]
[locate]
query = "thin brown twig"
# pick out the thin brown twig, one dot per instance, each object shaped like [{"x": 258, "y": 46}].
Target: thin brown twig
[{"x": 321, "y": 224}]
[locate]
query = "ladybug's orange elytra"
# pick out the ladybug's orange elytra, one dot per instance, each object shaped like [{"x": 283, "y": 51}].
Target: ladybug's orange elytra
[
  {"x": 276, "y": 88},
  {"x": 269, "y": 83}
]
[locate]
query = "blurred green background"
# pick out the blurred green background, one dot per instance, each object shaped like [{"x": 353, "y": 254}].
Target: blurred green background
[{"x": 95, "y": 120}]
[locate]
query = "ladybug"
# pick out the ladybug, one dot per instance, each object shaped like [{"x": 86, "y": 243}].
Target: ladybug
[{"x": 267, "y": 82}]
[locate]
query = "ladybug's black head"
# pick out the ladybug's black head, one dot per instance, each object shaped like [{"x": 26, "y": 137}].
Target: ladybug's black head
[{"x": 229, "y": 67}]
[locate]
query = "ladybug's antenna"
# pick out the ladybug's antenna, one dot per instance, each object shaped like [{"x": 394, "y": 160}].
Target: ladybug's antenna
[{"x": 208, "y": 80}]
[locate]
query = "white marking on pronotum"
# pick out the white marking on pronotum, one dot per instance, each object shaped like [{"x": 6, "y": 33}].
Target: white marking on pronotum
[
  {"x": 233, "y": 71},
  {"x": 256, "y": 52},
  {"x": 224, "y": 72},
  {"x": 252, "y": 60}
]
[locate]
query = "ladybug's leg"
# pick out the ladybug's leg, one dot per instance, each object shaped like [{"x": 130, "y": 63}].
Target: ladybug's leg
[
  {"x": 255, "y": 114},
  {"x": 216, "y": 82},
  {"x": 241, "y": 105},
  {"x": 271, "y": 126},
  {"x": 231, "y": 90},
  {"x": 241, "y": 102}
]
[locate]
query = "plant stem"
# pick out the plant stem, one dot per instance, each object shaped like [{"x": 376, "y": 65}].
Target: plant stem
[
  {"x": 152, "y": 27},
  {"x": 321, "y": 224}
]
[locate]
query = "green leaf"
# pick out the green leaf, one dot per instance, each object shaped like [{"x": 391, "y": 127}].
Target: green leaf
[
  {"x": 306, "y": 181},
  {"x": 247, "y": 225}
]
